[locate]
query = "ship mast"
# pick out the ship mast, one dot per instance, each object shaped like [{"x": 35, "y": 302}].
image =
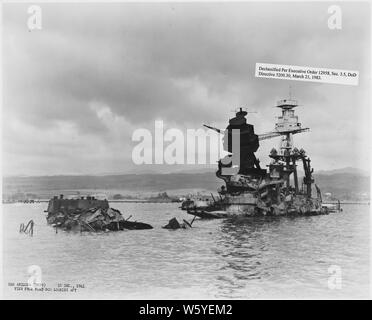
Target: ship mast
[
  {"x": 285, "y": 158},
  {"x": 288, "y": 124}
]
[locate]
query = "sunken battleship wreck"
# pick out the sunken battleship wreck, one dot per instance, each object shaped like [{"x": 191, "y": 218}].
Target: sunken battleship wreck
[{"x": 249, "y": 189}]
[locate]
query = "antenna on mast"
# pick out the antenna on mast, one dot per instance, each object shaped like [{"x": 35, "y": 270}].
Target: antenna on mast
[{"x": 242, "y": 109}]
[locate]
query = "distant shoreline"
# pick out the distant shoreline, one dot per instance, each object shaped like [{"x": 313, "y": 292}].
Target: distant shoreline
[
  {"x": 162, "y": 202},
  {"x": 347, "y": 185}
]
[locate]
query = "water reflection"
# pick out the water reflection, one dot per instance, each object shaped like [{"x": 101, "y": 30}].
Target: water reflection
[
  {"x": 242, "y": 245},
  {"x": 263, "y": 257}
]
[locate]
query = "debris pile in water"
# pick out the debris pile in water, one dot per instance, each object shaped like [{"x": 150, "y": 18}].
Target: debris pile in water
[
  {"x": 88, "y": 214},
  {"x": 174, "y": 224}
]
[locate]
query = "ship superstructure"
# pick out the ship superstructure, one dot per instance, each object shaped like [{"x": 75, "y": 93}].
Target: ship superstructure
[{"x": 251, "y": 190}]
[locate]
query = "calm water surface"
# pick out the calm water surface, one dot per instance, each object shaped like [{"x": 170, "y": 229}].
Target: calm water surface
[{"x": 217, "y": 259}]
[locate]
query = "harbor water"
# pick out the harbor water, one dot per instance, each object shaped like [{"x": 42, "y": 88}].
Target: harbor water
[{"x": 250, "y": 258}]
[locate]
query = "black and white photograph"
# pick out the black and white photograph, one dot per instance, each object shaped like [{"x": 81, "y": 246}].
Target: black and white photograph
[{"x": 186, "y": 151}]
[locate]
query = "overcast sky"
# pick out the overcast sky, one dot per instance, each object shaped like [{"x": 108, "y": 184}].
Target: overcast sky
[{"x": 75, "y": 90}]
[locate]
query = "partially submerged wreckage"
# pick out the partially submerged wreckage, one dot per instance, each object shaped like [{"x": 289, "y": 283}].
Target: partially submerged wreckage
[
  {"x": 174, "y": 224},
  {"x": 91, "y": 214},
  {"x": 88, "y": 214},
  {"x": 250, "y": 190}
]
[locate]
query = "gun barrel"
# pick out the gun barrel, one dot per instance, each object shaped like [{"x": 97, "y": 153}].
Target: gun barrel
[{"x": 213, "y": 128}]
